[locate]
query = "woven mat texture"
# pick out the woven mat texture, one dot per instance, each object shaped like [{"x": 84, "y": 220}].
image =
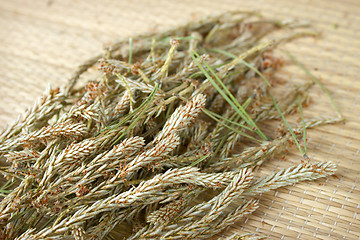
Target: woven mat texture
[{"x": 42, "y": 42}]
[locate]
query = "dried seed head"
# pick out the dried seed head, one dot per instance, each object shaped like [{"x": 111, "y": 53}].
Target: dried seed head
[
  {"x": 182, "y": 116},
  {"x": 174, "y": 42},
  {"x": 135, "y": 67},
  {"x": 58, "y": 130},
  {"x": 95, "y": 184},
  {"x": 109, "y": 66},
  {"x": 166, "y": 213},
  {"x": 78, "y": 233}
]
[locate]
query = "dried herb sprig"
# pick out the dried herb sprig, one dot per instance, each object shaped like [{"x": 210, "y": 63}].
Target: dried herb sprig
[{"x": 135, "y": 152}]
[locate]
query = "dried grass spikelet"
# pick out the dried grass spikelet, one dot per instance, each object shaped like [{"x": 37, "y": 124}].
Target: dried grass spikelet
[
  {"x": 145, "y": 193},
  {"x": 182, "y": 116},
  {"x": 15, "y": 200},
  {"x": 100, "y": 167},
  {"x": 24, "y": 156},
  {"x": 135, "y": 85},
  {"x": 245, "y": 209},
  {"x": 166, "y": 213},
  {"x": 93, "y": 90},
  {"x": 43, "y": 109},
  {"x": 122, "y": 106},
  {"x": 28, "y": 235},
  {"x": 83, "y": 112},
  {"x": 78, "y": 233},
  {"x": 58, "y": 130},
  {"x": 154, "y": 154},
  {"x": 76, "y": 152},
  {"x": 289, "y": 176},
  {"x": 125, "y": 148},
  {"x": 245, "y": 236},
  {"x": 255, "y": 156},
  {"x": 213, "y": 209},
  {"x": 187, "y": 175},
  {"x": 240, "y": 182},
  {"x": 70, "y": 158}
]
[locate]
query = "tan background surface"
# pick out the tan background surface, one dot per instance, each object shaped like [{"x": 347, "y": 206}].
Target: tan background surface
[{"x": 42, "y": 42}]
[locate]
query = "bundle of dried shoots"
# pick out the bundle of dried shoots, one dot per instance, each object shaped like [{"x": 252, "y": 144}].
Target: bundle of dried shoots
[{"x": 133, "y": 153}]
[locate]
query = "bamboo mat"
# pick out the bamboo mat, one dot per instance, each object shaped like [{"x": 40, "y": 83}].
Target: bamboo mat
[{"x": 42, "y": 42}]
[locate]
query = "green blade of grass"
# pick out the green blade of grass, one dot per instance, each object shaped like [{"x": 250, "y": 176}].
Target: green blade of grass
[
  {"x": 6, "y": 185},
  {"x": 286, "y": 123},
  {"x": 207, "y": 75},
  {"x": 249, "y": 52},
  {"x": 48, "y": 222},
  {"x": 197, "y": 74},
  {"x": 146, "y": 105},
  {"x": 5, "y": 191},
  {"x": 227, "y": 96},
  {"x": 243, "y": 62},
  {"x": 233, "y": 129},
  {"x": 248, "y": 101},
  {"x": 152, "y": 51},
  {"x": 210, "y": 113},
  {"x": 304, "y": 127},
  {"x": 250, "y": 121},
  {"x": 226, "y": 135},
  {"x": 130, "y": 51},
  {"x": 130, "y": 115},
  {"x": 200, "y": 160},
  {"x": 274, "y": 101},
  {"x": 310, "y": 75}
]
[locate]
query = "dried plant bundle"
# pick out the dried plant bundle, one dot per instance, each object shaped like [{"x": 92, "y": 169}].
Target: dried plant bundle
[{"x": 164, "y": 141}]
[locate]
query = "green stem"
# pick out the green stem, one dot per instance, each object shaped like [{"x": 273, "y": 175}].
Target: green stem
[
  {"x": 211, "y": 113},
  {"x": 304, "y": 127},
  {"x": 227, "y": 96},
  {"x": 243, "y": 62},
  {"x": 287, "y": 124},
  {"x": 130, "y": 50},
  {"x": 200, "y": 160},
  {"x": 146, "y": 105},
  {"x": 231, "y": 128},
  {"x": 310, "y": 75}
]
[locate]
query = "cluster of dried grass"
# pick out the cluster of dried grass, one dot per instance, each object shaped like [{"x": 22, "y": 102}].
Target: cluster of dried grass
[{"x": 133, "y": 153}]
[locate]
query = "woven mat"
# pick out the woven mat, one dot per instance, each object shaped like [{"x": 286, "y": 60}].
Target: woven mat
[{"x": 42, "y": 42}]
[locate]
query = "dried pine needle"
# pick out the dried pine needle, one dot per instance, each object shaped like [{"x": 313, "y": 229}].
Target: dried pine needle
[{"x": 114, "y": 157}]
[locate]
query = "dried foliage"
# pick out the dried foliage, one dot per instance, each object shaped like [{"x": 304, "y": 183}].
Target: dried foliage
[{"x": 135, "y": 153}]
